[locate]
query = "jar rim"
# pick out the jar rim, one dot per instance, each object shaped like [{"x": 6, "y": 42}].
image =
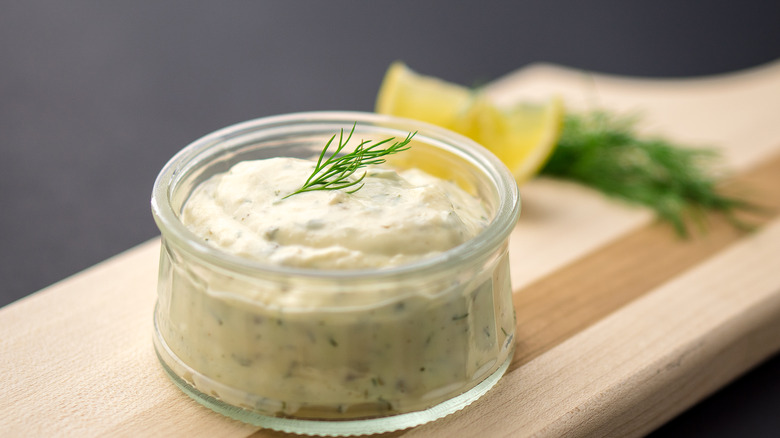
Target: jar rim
[{"x": 496, "y": 232}]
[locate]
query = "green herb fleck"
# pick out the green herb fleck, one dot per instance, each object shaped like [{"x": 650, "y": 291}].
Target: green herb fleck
[
  {"x": 386, "y": 403},
  {"x": 334, "y": 172},
  {"x": 459, "y": 317},
  {"x": 243, "y": 361}
]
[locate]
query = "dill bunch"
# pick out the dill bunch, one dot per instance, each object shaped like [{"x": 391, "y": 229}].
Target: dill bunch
[{"x": 603, "y": 151}]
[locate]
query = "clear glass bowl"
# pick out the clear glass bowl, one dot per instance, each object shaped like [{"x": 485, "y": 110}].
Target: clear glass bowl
[{"x": 335, "y": 352}]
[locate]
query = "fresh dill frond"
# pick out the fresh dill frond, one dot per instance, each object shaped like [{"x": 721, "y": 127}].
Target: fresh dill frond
[
  {"x": 603, "y": 151},
  {"x": 334, "y": 172}
]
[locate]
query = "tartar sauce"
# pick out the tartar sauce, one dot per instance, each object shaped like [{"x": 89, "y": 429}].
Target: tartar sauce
[
  {"x": 399, "y": 346},
  {"x": 395, "y": 218}
]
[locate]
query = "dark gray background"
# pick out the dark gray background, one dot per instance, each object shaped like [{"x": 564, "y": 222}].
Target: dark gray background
[{"x": 96, "y": 96}]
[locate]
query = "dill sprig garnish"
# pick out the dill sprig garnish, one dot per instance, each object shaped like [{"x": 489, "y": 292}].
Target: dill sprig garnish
[
  {"x": 334, "y": 173},
  {"x": 603, "y": 151}
]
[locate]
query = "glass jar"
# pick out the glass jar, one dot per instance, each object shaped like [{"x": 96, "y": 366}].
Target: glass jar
[{"x": 335, "y": 352}]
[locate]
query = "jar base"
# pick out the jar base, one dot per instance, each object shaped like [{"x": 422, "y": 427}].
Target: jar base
[{"x": 347, "y": 427}]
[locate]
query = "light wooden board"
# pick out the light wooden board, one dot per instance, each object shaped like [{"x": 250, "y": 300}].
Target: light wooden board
[{"x": 621, "y": 325}]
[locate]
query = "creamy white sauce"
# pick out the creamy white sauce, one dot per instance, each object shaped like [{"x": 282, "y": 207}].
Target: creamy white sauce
[
  {"x": 393, "y": 219},
  {"x": 309, "y": 349}
]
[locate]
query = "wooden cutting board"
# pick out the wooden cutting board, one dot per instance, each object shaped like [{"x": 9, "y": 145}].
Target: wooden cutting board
[{"x": 621, "y": 324}]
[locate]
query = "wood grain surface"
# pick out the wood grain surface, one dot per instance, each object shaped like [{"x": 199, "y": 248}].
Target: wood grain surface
[{"x": 621, "y": 324}]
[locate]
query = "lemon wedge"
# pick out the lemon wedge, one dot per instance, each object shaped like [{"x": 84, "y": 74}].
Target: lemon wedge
[
  {"x": 407, "y": 94},
  {"x": 522, "y": 136}
]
